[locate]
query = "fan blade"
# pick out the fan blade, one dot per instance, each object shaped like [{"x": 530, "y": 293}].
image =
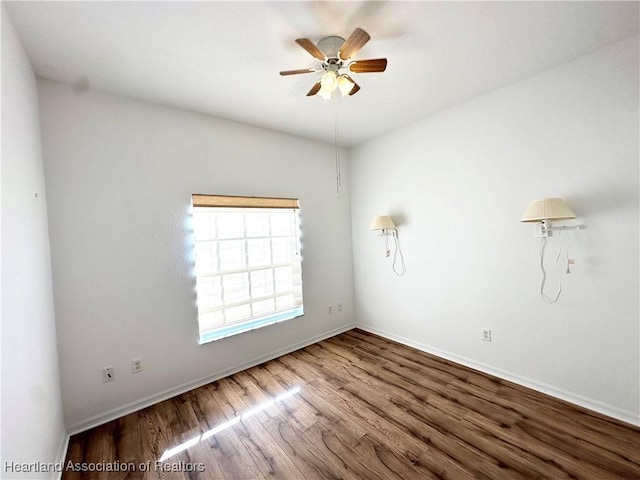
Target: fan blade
[
  {"x": 355, "y": 88},
  {"x": 297, "y": 72},
  {"x": 315, "y": 89},
  {"x": 353, "y": 44},
  {"x": 368, "y": 66},
  {"x": 310, "y": 47}
]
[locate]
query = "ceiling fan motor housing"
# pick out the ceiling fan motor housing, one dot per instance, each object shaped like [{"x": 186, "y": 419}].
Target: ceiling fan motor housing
[
  {"x": 330, "y": 47},
  {"x": 332, "y": 65}
]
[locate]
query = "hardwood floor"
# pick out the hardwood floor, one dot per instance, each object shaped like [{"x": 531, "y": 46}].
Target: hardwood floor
[{"x": 357, "y": 406}]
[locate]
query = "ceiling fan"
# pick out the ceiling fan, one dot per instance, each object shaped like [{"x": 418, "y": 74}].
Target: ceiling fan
[{"x": 334, "y": 54}]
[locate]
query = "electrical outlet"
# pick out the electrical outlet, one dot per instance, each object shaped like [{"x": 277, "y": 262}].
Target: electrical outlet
[
  {"x": 330, "y": 309},
  {"x": 107, "y": 375},
  {"x": 136, "y": 365},
  {"x": 486, "y": 334},
  {"x": 340, "y": 307}
]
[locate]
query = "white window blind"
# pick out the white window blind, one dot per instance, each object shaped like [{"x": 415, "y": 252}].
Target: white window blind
[{"x": 248, "y": 263}]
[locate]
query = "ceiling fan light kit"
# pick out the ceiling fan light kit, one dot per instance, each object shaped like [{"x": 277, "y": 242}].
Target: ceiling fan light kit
[{"x": 334, "y": 54}]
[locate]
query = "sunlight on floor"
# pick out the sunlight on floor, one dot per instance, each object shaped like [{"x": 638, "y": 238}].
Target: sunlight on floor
[{"x": 223, "y": 426}]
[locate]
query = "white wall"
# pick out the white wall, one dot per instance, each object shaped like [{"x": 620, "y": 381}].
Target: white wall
[
  {"x": 32, "y": 422},
  {"x": 120, "y": 174},
  {"x": 458, "y": 183}
]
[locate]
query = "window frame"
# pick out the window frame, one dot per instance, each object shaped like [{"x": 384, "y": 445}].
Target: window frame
[{"x": 220, "y": 206}]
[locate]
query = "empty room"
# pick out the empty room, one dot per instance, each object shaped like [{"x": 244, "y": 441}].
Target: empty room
[{"x": 320, "y": 240}]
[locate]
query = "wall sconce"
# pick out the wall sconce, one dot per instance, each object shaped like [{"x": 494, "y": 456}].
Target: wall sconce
[
  {"x": 385, "y": 224},
  {"x": 545, "y": 210},
  {"x": 387, "y": 228}
]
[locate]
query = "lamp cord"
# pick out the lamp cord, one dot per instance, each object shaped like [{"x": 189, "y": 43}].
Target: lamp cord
[
  {"x": 335, "y": 142},
  {"x": 543, "y": 244},
  {"x": 397, "y": 251}
]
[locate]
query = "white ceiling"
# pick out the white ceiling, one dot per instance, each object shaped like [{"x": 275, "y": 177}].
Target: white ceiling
[{"x": 223, "y": 58}]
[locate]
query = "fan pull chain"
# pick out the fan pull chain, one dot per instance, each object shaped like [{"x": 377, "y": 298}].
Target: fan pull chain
[{"x": 335, "y": 142}]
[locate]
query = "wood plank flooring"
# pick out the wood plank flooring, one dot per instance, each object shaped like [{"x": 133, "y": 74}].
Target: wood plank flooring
[{"x": 357, "y": 406}]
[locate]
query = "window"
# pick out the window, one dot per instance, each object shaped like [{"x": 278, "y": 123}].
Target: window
[{"x": 248, "y": 263}]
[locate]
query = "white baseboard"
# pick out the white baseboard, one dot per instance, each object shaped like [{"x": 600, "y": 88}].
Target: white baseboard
[
  {"x": 132, "y": 407},
  {"x": 595, "y": 405},
  {"x": 61, "y": 454}
]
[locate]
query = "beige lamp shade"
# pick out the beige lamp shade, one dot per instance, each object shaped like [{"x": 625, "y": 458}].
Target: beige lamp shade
[
  {"x": 547, "y": 209},
  {"x": 381, "y": 222}
]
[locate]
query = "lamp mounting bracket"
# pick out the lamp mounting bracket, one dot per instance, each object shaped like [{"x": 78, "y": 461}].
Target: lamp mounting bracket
[{"x": 544, "y": 228}]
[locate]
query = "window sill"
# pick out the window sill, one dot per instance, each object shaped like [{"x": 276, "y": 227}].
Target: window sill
[{"x": 252, "y": 325}]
